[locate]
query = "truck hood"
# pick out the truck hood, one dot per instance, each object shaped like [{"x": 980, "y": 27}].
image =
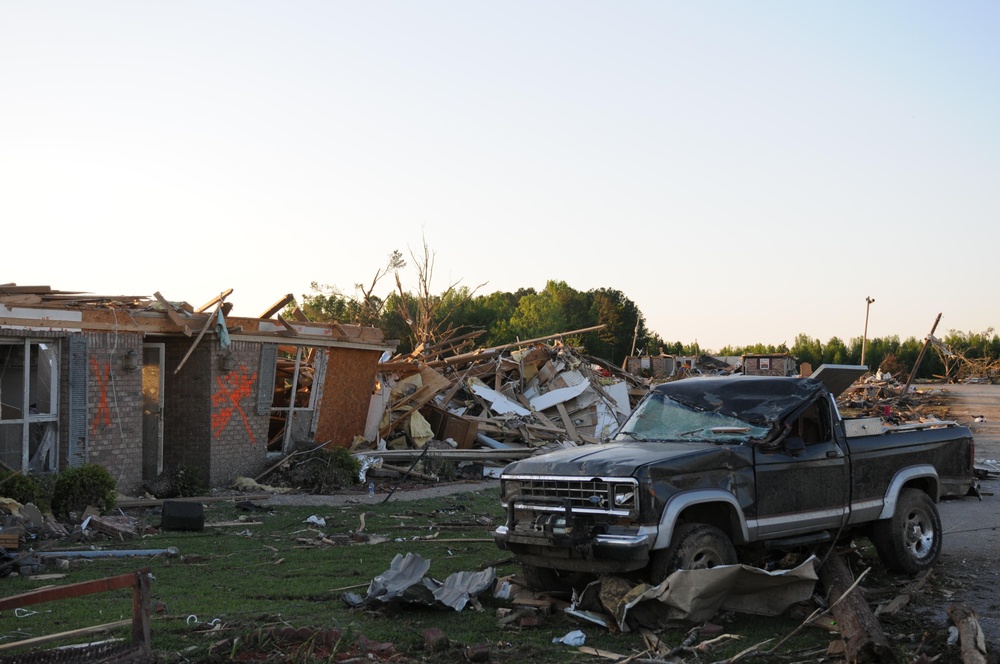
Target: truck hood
[{"x": 609, "y": 459}]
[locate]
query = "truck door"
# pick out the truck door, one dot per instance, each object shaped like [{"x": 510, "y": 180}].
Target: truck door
[{"x": 802, "y": 486}]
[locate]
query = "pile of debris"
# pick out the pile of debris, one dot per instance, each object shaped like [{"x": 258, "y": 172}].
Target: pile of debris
[
  {"x": 512, "y": 398},
  {"x": 879, "y": 395}
]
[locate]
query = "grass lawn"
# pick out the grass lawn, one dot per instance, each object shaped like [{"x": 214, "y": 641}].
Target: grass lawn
[{"x": 252, "y": 583}]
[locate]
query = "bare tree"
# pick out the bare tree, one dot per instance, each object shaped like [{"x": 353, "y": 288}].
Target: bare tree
[
  {"x": 371, "y": 305},
  {"x": 428, "y": 318}
]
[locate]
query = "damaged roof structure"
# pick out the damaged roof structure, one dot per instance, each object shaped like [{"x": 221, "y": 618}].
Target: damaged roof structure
[
  {"x": 515, "y": 398},
  {"x": 142, "y": 384}
]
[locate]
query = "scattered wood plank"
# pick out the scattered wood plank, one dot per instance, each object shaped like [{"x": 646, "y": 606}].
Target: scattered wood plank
[
  {"x": 970, "y": 634},
  {"x": 866, "y": 642}
]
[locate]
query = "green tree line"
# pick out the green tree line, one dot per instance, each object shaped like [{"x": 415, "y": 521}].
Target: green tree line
[{"x": 506, "y": 317}]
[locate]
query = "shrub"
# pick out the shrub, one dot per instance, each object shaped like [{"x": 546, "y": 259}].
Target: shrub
[
  {"x": 177, "y": 481},
  {"x": 187, "y": 483},
  {"x": 22, "y": 488},
  {"x": 78, "y": 488},
  {"x": 323, "y": 471}
]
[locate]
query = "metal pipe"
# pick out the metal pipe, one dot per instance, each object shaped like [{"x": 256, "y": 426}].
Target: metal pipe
[
  {"x": 110, "y": 553},
  {"x": 491, "y": 443}
]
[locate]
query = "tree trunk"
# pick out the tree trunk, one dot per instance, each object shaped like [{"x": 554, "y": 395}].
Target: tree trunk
[{"x": 859, "y": 627}]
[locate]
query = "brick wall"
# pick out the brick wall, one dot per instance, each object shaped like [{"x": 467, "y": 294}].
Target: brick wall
[
  {"x": 658, "y": 366},
  {"x": 211, "y": 426},
  {"x": 238, "y": 434},
  {"x": 114, "y": 406},
  {"x": 779, "y": 366},
  {"x": 210, "y": 420}
]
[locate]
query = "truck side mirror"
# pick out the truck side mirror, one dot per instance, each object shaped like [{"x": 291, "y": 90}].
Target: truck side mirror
[{"x": 794, "y": 445}]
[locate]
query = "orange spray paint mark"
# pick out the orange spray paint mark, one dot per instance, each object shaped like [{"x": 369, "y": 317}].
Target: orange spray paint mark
[{"x": 233, "y": 388}]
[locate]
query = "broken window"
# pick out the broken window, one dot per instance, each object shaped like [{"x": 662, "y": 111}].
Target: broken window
[
  {"x": 293, "y": 404},
  {"x": 29, "y": 404}
]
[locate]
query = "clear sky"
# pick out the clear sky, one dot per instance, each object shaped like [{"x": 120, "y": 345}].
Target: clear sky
[{"x": 743, "y": 171}]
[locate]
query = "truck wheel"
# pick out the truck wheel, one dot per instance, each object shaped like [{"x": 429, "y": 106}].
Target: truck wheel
[
  {"x": 911, "y": 540},
  {"x": 694, "y": 546},
  {"x": 545, "y": 578}
]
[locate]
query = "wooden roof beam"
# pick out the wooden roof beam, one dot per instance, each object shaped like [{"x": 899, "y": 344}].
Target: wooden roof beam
[
  {"x": 172, "y": 314},
  {"x": 278, "y": 306},
  {"x": 221, "y": 297}
]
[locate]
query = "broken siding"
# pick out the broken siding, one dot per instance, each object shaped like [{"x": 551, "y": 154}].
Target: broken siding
[{"x": 346, "y": 395}]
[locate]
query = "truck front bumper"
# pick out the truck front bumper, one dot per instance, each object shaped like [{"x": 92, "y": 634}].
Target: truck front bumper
[{"x": 603, "y": 553}]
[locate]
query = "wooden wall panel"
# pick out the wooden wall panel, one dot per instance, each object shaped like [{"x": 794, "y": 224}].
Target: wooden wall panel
[{"x": 347, "y": 391}]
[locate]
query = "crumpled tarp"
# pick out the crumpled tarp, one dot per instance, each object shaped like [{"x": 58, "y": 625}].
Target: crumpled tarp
[
  {"x": 697, "y": 595},
  {"x": 405, "y": 581}
]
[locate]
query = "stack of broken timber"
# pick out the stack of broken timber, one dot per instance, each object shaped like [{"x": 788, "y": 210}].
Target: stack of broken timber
[
  {"x": 12, "y": 294},
  {"x": 509, "y": 397}
]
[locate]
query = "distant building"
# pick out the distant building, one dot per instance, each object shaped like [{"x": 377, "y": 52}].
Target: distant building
[
  {"x": 648, "y": 366},
  {"x": 771, "y": 364}
]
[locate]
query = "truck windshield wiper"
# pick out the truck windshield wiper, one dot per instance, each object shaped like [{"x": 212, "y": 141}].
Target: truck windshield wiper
[{"x": 635, "y": 436}]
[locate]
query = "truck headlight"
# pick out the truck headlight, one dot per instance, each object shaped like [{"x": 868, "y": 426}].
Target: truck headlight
[
  {"x": 511, "y": 488},
  {"x": 624, "y": 496}
]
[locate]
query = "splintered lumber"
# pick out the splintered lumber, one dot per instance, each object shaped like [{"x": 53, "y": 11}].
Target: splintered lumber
[
  {"x": 221, "y": 297},
  {"x": 277, "y": 306},
  {"x": 567, "y": 422},
  {"x": 172, "y": 314},
  {"x": 970, "y": 634},
  {"x": 860, "y": 629},
  {"x": 433, "y": 384},
  {"x": 289, "y": 330},
  {"x": 204, "y": 329}
]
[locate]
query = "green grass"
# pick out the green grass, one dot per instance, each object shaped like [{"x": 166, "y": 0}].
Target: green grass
[{"x": 280, "y": 576}]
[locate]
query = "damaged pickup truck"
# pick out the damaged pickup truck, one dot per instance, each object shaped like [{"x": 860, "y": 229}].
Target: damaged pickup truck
[{"x": 705, "y": 468}]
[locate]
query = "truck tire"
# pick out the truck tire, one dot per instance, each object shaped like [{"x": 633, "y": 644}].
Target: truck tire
[
  {"x": 694, "y": 546},
  {"x": 911, "y": 540}
]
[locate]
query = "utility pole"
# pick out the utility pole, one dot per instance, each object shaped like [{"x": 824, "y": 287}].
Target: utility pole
[
  {"x": 864, "y": 339},
  {"x": 920, "y": 357}
]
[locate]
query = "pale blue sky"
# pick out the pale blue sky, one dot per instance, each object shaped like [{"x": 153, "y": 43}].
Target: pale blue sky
[{"x": 743, "y": 171}]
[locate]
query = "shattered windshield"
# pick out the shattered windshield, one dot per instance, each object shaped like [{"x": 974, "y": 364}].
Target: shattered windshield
[{"x": 659, "y": 417}]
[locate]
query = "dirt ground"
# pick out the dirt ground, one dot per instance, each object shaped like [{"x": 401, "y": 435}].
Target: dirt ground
[{"x": 969, "y": 568}]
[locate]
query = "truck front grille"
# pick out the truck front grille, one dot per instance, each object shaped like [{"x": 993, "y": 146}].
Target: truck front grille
[{"x": 601, "y": 495}]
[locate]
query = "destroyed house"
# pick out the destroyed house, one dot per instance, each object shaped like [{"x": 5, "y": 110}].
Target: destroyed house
[
  {"x": 142, "y": 385},
  {"x": 651, "y": 366},
  {"x": 774, "y": 364}
]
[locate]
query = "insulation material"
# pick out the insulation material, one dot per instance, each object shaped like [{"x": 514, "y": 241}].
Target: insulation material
[{"x": 420, "y": 429}]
